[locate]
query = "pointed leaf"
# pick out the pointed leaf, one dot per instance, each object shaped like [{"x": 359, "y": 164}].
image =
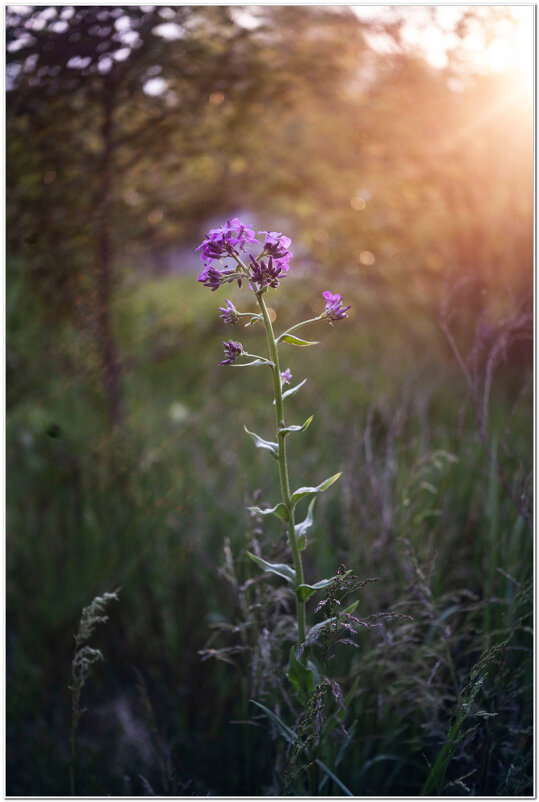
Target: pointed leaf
[
  {"x": 279, "y": 510},
  {"x": 292, "y": 391},
  {"x": 294, "y": 428},
  {"x": 317, "y": 627},
  {"x": 346, "y": 791},
  {"x": 281, "y": 569},
  {"x": 289, "y": 338},
  {"x": 261, "y": 443},
  {"x": 350, "y": 695},
  {"x": 316, "y": 673},
  {"x": 288, "y": 734},
  {"x": 308, "y": 491},
  {"x": 306, "y": 591},
  {"x": 254, "y": 362},
  {"x": 301, "y": 677},
  {"x": 304, "y": 527},
  {"x": 290, "y": 737}
]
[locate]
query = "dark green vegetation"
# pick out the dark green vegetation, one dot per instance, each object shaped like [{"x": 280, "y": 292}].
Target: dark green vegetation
[{"x": 127, "y": 462}]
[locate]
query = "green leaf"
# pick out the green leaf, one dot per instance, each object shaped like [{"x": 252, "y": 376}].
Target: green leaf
[
  {"x": 295, "y": 428},
  {"x": 314, "y": 629},
  {"x": 290, "y": 737},
  {"x": 301, "y": 677},
  {"x": 306, "y": 591},
  {"x": 308, "y": 491},
  {"x": 303, "y": 527},
  {"x": 261, "y": 443},
  {"x": 288, "y": 734},
  {"x": 349, "y": 738},
  {"x": 280, "y": 569},
  {"x": 289, "y": 338},
  {"x": 333, "y": 777},
  {"x": 350, "y": 695},
  {"x": 292, "y": 391},
  {"x": 316, "y": 673},
  {"x": 279, "y": 510},
  {"x": 254, "y": 362}
]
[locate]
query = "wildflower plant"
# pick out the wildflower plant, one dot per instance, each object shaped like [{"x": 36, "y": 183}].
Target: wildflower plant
[{"x": 232, "y": 253}]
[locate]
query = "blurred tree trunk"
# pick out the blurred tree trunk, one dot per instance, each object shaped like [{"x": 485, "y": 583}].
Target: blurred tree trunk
[{"x": 108, "y": 351}]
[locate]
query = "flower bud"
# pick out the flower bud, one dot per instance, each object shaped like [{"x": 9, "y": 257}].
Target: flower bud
[
  {"x": 229, "y": 313},
  {"x": 334, "y": 309},
  {"x": 232, "y": 351}
]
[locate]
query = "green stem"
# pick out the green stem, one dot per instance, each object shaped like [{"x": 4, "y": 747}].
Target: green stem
[
  {"x": 283, "y": 466},
  {"x": 72, "y": 765},
  {"x": 298, "y": 325}
]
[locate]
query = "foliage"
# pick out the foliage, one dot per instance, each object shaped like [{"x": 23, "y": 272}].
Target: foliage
[
  {"x": 155, "y": 530},
  {"x": 423, "y": 176}
]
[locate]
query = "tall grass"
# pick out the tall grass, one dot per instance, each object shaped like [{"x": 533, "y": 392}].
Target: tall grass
[{"x": 444, "y": 698}]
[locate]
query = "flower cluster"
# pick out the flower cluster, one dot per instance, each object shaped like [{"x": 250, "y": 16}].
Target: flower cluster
[
  {"x": 276, "y": 245},
  {"x": 228, "y": 240},
  {"x": 222, "y": 243},
  {"x": 232, "y": 351},
  {"x": 226, "y": 254},
  {"x": 265, "y": 274},
  {"x": 231, "y": 242},
  {"x": 213, "y": 278},
  {"x": 334, "y": 309}
]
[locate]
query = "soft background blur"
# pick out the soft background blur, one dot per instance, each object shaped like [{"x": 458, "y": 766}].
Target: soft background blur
[{"x": 394, "y": 145}]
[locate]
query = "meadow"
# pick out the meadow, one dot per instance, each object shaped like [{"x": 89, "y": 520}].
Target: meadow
[
  {"x": 161, "y": 513},
  {"x": 128, "y": 468}
]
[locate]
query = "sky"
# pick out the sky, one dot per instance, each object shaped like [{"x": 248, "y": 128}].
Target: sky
[{"x": 512, "y": 49}]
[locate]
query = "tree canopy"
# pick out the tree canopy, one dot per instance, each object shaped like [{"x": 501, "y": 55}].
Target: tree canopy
[{"x": 130, "y": 126}]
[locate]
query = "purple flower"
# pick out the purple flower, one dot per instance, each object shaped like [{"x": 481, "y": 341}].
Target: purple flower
[
  {"x": 232, "y": 351},
  {"x": 265, "y": 274},
  {"x": 334, "y": 309},
  {"x": 229, "y": 313},
  {"x": 228, "y": 240},
  {"x": 286, "y": 376},
  {"x": 211, "y": 277},
  {"x": 276, "y": 245}
]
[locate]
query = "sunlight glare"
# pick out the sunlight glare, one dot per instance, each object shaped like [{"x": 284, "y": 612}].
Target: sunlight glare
[
  {"x": 511, "y": 50},
  {"x": 514, "y": 52}
]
